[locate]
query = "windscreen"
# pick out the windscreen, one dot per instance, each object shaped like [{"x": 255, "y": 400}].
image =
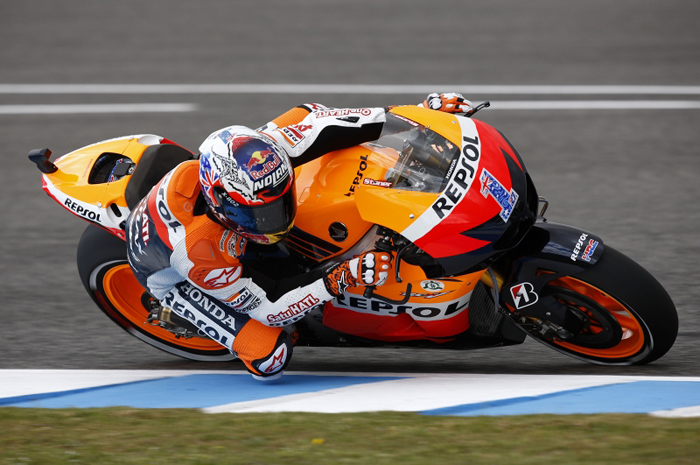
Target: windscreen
[{"x": 425, "y": 158}]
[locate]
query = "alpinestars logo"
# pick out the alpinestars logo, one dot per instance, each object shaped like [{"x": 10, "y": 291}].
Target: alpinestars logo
[
  {"x": 523, "y": 295},
  {"x": 222, "y": 277},
  {"x": 275, "y": 362}
]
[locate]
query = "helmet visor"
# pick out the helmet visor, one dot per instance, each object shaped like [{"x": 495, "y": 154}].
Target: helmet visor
[{"x": 266, "y": 219}]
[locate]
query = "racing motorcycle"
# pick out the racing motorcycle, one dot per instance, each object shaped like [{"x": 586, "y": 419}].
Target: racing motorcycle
[{"x": 476, "y": 264}]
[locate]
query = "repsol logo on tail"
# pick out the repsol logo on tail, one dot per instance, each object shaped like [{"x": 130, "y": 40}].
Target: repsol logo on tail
[
  {"x": 461, "y": 179},
  {"x": 82, "y": 211}
]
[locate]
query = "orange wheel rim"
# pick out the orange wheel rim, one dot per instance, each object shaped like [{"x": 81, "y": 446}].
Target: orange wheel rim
[
  {"x": 124, "y": 292},
  {"x": 633, "y": 335}
]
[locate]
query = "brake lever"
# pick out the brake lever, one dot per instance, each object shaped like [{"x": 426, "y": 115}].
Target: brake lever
[{"x": 480, "y": 106}]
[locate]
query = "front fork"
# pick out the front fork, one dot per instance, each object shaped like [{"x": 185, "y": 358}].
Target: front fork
[{"x": 518, "y": 280}]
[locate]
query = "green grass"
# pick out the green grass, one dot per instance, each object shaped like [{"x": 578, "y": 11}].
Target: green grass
[{"x": 179, "y": 437}]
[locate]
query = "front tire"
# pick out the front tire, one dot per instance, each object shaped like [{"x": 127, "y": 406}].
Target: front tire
[
  {"x": 108, "y": 279},
  {"x": 630, "y": 318}
]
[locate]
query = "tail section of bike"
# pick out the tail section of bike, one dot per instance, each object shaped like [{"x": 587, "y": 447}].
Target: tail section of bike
[{"x": 100, "y": 183}]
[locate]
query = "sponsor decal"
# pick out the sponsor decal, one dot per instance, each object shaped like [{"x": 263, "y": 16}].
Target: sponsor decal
[
  {"x": 337, "y": 281},
  {"x": 221, "y": 277},
  {"x": 295, "y": 134},
  {"x": 360, "y": 174},
  {"x": 259, "y": 157},
  {"x": 451, "y": 169},
  {"x": 343, "y": 112},
  {"x": 462, "y": 178},
  {"x": 463, "y": 174},
  {"x": 338, "y": 231},
  {"x": 275, "y": 362},
  {"x": 505, "y": 198},
  {"x": 584, "y": 246},
  {"x": 244, "y": 301},
  {"x": 403, "y": 118},
  {"x": 590, "y": 248},
  {"x": 523, "y": 295},
  {"x": 145, "y": 234},
  {"x": 162, "y": 205},
  {"x": 259, "y": 165},
  {"x": 138, "y": 226},
  {"x": 222, "y": 241},
  {"x": 374, "y": 182},
  {"x": 432, "y": 295},
  {"x": 577, "y": 247},
  {"x": 295, "y": 310},
  {"x": 81, "y": 211},
  {"x": 431, "y": 285},
  {"x": 272, "y": 174},
  {"x": 193, "y": 305},
  {"x": 434, "y": 311},
  {"x": 232, "y": 244}
]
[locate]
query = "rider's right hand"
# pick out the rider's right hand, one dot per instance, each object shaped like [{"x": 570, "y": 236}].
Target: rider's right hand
[
  {"x": 449, "y": 102},
  {"x": 367, "y": 269}
]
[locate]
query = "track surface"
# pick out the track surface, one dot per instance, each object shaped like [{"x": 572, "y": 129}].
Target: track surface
[{"x": 631, "y": 176}]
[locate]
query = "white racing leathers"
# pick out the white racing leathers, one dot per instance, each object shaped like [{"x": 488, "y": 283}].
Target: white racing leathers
[{"x": 192, "y": 264}]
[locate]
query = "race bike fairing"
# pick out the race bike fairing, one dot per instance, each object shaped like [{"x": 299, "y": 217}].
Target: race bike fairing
[{"x": 471, "y": 187}]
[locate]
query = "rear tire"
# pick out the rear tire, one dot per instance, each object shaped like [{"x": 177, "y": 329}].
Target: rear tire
[
  {"x": 632, "y": 319},
  {"x": 108, "y": 279}
]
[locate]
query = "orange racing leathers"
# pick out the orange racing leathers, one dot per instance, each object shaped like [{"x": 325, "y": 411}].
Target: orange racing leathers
[{"x": 192, "y": 264}]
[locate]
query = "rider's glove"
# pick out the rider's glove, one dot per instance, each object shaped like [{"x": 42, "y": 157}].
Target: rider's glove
[
  {"x": 449, "y": 102},
  {"x": 368, "y": 269}
]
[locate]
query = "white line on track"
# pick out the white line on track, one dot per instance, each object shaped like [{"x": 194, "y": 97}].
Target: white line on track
[
  {"x": 96, "y": 108},
  {"x": 596, "y": 105},
  {"x": 344, "y": 89},
  {"x": 495, "y": 105}
]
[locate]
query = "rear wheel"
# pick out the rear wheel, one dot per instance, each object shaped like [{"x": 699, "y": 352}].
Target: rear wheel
[
  {"x": 108, "y": 279},
  {"x": 628, "y": 317}
]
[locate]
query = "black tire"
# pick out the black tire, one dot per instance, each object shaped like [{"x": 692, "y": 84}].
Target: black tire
[
  {"x": 107, "y": 277},
  {"x": 634, "y": 318}
]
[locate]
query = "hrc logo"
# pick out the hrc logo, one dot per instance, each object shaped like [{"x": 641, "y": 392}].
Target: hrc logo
[{"x": 506, "y": 199}]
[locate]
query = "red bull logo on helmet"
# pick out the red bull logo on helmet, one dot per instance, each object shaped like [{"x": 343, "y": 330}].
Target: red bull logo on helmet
[
  {"x": 259, "y": 157},
  {"x": 262, "y": 163}
]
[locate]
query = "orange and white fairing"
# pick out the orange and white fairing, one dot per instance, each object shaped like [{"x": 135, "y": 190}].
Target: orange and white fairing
[{"x": 451, "y": 185}]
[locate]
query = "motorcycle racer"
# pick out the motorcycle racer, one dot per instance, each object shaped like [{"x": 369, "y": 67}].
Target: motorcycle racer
[{"x": 186, "y": 238}]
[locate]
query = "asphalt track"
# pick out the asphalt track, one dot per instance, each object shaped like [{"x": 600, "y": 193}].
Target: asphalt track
[{"x": 628, "y": 173}]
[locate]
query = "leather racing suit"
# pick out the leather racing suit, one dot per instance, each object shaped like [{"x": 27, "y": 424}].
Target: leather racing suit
[{"x": 192, "y": 264}]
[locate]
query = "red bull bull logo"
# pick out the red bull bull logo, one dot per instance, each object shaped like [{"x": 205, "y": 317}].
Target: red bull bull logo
[{"x": 259, "y": 157}]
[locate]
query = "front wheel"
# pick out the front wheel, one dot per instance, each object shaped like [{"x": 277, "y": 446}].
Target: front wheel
[
  {"x": 628, "y": 317},
  {"x": 108, "y": 279}
]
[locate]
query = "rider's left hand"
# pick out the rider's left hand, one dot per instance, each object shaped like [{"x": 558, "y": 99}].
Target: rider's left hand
[{"x": 449, "y": 102}]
